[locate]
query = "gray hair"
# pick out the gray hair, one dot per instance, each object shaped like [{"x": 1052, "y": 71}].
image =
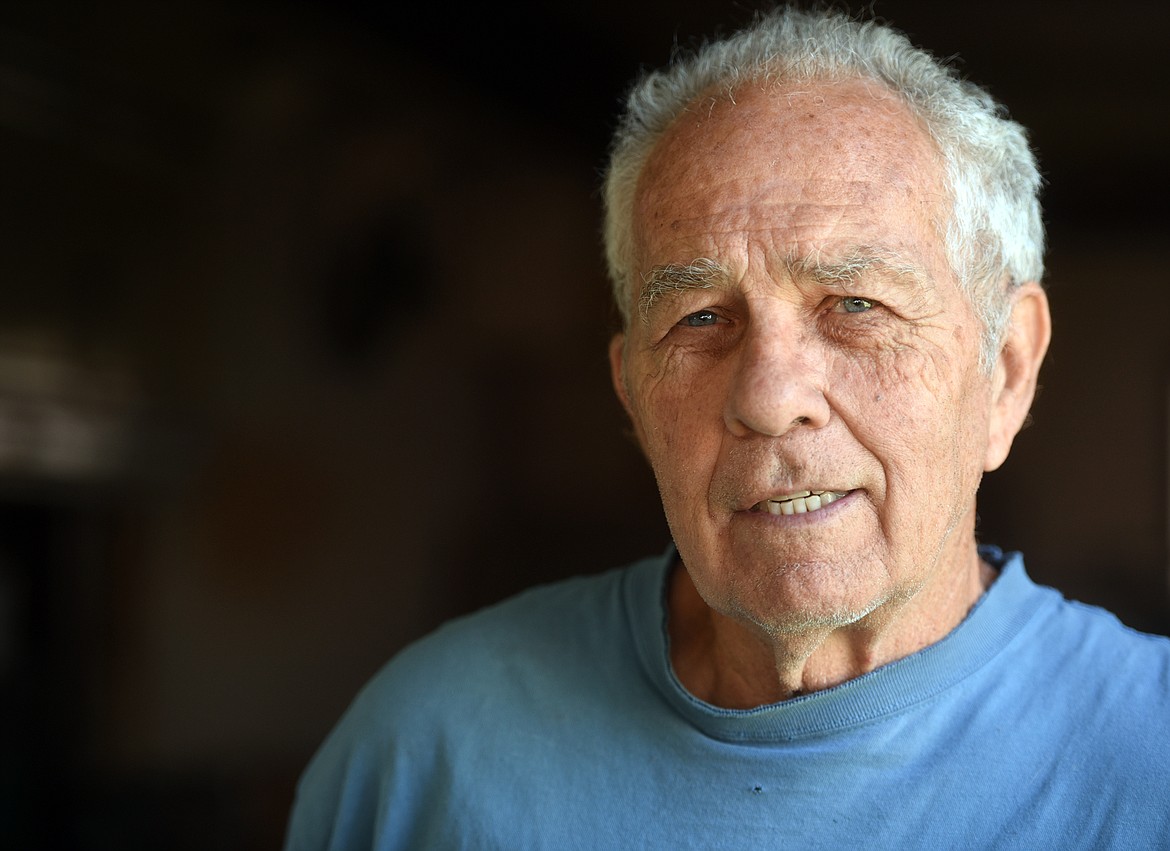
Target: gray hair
[{"x": 994, "y": 238}]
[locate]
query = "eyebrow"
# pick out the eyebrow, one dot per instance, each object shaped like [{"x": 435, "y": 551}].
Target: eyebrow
[
  {"x": 700, "y": 274},
  {"x": 853, "y": 265},
  {"x": 704, "y": 273}
]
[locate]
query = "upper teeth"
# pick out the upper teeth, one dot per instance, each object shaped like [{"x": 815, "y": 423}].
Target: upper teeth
[{"x": 798, "y": 503}]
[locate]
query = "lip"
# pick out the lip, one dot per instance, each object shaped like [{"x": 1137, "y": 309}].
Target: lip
[{"x": 819, "y": 515}]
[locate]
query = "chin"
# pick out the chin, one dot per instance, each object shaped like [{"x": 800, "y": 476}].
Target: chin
[{"x": 800, "y": 596}]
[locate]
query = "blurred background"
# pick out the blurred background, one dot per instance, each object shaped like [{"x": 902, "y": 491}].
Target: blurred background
[{"x": 302, "y": 352}]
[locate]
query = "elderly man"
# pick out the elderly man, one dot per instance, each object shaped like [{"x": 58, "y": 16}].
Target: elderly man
[{"x": 827, "y": 251}]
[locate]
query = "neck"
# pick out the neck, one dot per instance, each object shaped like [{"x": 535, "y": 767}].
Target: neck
[{"x": 728, "y": 663}]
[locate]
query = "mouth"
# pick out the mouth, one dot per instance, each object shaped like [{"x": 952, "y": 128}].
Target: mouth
[{"x": 802, "y": 502}]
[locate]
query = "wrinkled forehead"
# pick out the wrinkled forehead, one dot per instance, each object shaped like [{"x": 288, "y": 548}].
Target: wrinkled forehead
[{"x": 766, "y": 154}]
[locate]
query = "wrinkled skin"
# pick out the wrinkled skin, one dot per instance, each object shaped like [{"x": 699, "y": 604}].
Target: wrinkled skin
[{"x": 775, "y": 378}]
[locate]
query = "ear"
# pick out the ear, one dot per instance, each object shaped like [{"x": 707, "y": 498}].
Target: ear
[
  {"x": 617, "y": 374},
  {"x": 1014, "y": 379}
]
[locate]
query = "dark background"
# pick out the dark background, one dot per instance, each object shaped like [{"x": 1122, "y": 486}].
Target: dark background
[{"x": 302, "y": 351}]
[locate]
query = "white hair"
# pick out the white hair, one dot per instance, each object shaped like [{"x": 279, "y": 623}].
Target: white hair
[{"x": 994, "y": 238}]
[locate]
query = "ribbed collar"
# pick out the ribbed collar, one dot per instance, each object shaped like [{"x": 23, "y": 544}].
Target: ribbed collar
[{"x": 992, "y": 623}]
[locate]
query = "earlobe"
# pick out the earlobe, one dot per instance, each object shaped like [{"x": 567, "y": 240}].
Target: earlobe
[{"x": 1014, "y": 383}]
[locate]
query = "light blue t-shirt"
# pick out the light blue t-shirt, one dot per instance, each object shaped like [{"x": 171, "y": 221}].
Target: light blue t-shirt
[{"x": 553, "y": 720}]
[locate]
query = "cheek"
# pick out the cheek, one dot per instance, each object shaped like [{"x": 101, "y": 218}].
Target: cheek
[
  {"x": 655, "y": 416},
  {"x": 679, "y": 424},
  {"x": 918, "y": 410},
  {"x": 675, "y": 407}
]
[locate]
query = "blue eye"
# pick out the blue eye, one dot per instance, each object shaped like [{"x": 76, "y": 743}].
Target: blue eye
[
  {"x": 856, "y": 304},
  {"x": 700, "y": 319}
]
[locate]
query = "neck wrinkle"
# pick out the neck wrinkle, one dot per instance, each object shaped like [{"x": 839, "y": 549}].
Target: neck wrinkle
[{"x": 728, "y": 664}]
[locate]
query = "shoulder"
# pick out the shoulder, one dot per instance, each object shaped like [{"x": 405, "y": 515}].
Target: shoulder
[
  {"x": 546, "y": 623},
  {"x": 1078, "y": 637},
  {"x": 1119, "y": 675},
  {"x": 1073, "y": 638},
  {"x": 524, "y": 641},
  {"x": 1076, "y": 664},
  {"x": 1109, "y": 719},
  {"x": 501, "y": 681},
  {"x": 1105, "y": 685}
]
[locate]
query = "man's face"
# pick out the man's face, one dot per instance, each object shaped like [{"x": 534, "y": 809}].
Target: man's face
[{"x": 826, "y": 349}]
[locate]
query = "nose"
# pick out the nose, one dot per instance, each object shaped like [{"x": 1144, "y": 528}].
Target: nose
[{"x": 777, "y": 384}]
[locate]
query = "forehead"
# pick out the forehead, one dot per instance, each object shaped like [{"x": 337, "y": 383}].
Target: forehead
[{"x": 807, "y": 169}]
